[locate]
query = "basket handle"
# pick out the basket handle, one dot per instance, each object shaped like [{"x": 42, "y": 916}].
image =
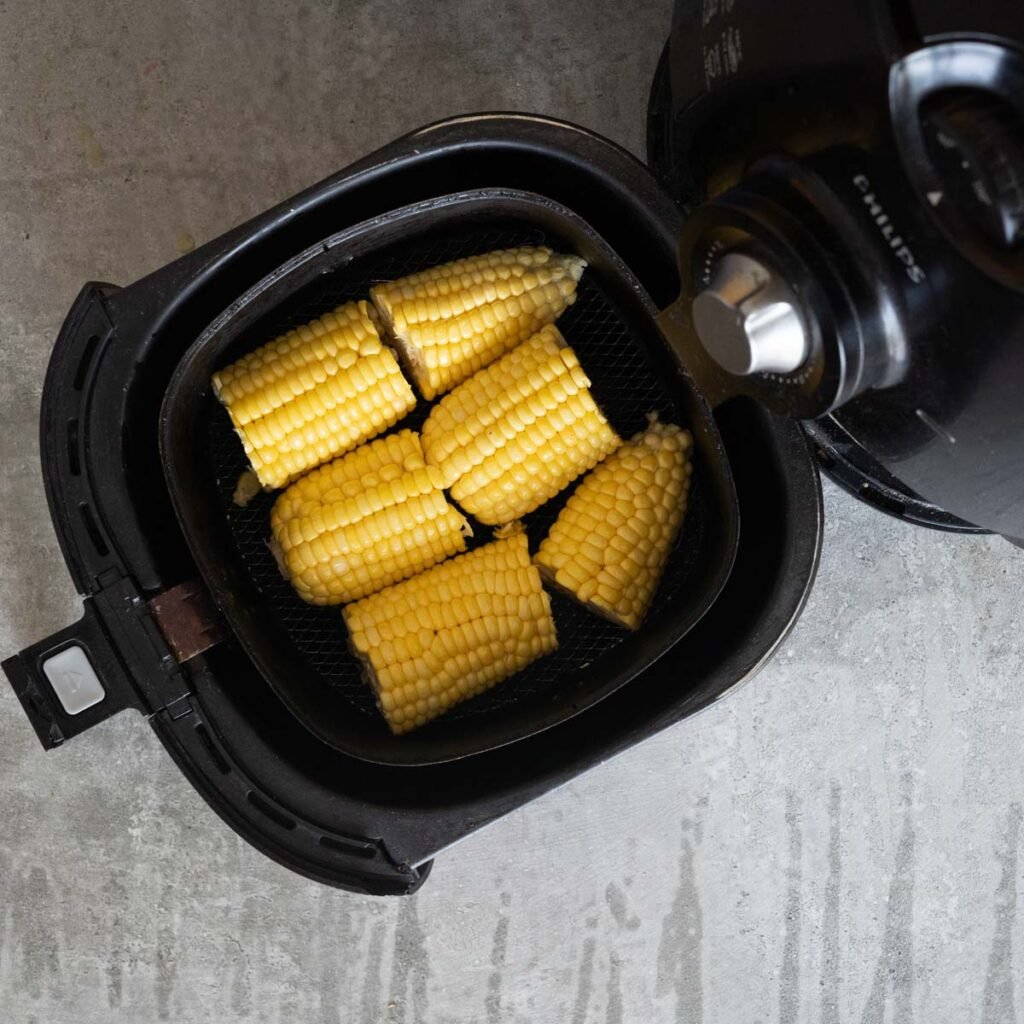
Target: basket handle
[{"x": 71, "y": 681}]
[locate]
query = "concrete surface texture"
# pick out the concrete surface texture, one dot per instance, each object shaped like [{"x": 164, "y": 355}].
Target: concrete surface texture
[{"x": 838, "y": 842}]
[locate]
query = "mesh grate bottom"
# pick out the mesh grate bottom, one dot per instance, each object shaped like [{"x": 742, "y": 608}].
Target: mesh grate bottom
[{"x": 626, "y": 386}]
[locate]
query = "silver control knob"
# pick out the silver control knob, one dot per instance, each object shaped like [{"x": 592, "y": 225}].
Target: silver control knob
[{"x": 749, "y": 319}]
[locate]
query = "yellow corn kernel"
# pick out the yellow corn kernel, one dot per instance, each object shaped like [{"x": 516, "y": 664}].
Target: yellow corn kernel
[
  {"x": 518, "y": 432},
  {"x": 609, "y": 545},
  {"x": 365, "y": 521},
  {"x": 450, "y": 321},
  {"x": 313, "y": 394},
  {"x": 475, "y": 643}
]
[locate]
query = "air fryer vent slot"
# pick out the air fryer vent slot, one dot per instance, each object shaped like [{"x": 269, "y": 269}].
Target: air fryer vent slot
[
  {"x": 349, "y": 847},
  {"x": 89, "y": 521},
  {"x": 74, "y": 457},
  {"x": 85, "y": 361},
  {"x": 270, "y": 811},
  {"x": 212, "y": 749}
]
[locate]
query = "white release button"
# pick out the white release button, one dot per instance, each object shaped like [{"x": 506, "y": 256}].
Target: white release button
[{"x": 74, "y": 680}]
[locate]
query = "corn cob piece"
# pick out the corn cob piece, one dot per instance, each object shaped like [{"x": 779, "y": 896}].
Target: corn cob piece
[
  {"x": 367, "y": 520},
  {"x": 518, "y": 432},
  {"x": 609, "y": 545},
  {"x": 452, "y": 632},
  {"x": 450, "y": 321},
  {"x": 313, "y": 393}
]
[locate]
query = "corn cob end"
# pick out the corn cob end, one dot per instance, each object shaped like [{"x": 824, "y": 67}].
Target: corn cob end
[
  {"x": 449, "y": 321},
  {"x": 609, "y": 545}
]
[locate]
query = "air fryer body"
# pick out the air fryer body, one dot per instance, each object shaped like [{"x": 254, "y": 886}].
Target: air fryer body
[
  {"x": 152, "y": 637},
  {"x": 869, "y": 159}
]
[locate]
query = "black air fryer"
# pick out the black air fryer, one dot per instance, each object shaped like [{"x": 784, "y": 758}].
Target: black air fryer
[{"x": 832, "y": 247}]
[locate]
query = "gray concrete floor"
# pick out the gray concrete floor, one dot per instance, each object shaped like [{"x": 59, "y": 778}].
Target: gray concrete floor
[{"x": 838, "y": 842}]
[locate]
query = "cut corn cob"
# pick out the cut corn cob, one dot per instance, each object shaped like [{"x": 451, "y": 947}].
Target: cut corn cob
[
  {"x": 449, "y": 321},
  {"x": 313, "y": 393},
  {"x": 519, "y": 431},
  {"x": 609, "y": 545},
  {"x": 452, "y": 632},
  {"x": 369, "y": 519}
]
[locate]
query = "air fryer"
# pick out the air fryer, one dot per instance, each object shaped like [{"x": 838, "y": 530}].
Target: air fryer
[{"x": 752, "y": 288}]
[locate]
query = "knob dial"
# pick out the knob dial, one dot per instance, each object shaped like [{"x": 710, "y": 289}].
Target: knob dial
[{"x": 749, "y": 319}]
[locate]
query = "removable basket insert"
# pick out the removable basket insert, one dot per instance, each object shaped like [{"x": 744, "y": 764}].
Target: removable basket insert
[{"x": 629, "y": 380}]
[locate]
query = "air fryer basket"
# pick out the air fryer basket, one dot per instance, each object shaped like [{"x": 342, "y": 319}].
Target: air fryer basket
[{"x": 302, "y": 650}]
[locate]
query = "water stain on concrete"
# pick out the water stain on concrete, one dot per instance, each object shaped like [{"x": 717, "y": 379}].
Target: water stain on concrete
[
  {"x": 998, "y": 1003},
  {"x": 894, "y": 973},
  {"x": 698, "y": 825},
  {"x": 6, "y": 885},
  {"x": 616, "y": 900},
  {"x": 112, "y": 970},
  {"x": 241, "y": 990},
  {"x": 679, "y": 949},
  {"x": 372, "y": 986},
  {"x": 584, "y": 982},
  {"x": 328, "y": 987},
  {"x": 336, "y": 937},
  {"x": 789, "y": 975},
  {"x": 614, "y": 1011},
  {"x": 499, "y": 949},
  {"x": 114, "y": 895},
  {"x": 248, "y": 946},
  {"x": 410, "y": 967},
  {"x": 94, "y": 154},
  {"x": 830, "y": 978},
  {"x": 166, "y": 957},
  {"x": 34, "y": 933}
]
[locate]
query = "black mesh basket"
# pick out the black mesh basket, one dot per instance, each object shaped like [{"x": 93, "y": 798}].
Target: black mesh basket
[{"x": 626, "y": 362}]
